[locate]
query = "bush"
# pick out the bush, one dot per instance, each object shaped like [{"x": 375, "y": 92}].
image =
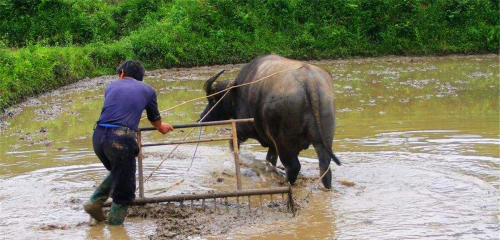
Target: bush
[
  {"x": 53, "y": 22},
  {"x": 36, "y": 69},
  {"x": 61, "y": 41}
]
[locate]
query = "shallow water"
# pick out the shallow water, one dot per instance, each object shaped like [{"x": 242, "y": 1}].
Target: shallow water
[{"x": 419, "y": 136}]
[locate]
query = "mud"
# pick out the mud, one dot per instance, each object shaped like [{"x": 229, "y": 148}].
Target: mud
[
  {"x": 52, "y": 110},
  {"x": 417, "y": 136},
  {"x": 51, "y": 227},
  {"x": 38, "y": 137},
  {"x": 347, "y": 183},
  {"x": 44, "y": 114},
  {"x": 192, "y": 73},
  {"x": 117, "y": 145},
  {"x": 175, "y": 222}
]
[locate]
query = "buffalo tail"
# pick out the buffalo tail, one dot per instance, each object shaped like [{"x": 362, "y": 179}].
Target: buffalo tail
[{"x": 315, "y": 102}]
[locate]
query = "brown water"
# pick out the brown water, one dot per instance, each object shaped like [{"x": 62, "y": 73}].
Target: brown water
[{"x": 419, "y": 136}]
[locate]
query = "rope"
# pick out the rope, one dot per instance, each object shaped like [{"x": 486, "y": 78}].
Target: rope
[
  {"x": 225, "y": 90},
  {"x": 157, "y": 167},
  {"x": 178, "y": 182},
  {"x": 316, "y": 185},
  {"x": 190, "y": 165},
  {"x": 167, "y": 156},
  {"x": 195, "y": 150}
]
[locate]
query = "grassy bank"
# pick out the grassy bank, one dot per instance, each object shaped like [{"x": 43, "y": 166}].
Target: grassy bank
[{"x": 51, "y": 43}]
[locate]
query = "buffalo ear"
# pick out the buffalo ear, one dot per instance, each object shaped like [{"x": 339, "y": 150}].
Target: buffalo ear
[{"x": 208, "y": 84}]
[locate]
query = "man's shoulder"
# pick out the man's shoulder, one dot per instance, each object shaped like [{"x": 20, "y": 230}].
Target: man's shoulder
[
  {"x": 145, "y": 86},
  {"x": 112, "y": 85},
  {"x": 131, "y": 83}
]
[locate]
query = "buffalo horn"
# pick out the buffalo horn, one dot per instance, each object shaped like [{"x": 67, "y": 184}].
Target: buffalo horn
[{"x": 208, "y": 84}]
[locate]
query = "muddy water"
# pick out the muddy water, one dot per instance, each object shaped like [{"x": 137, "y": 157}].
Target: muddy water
[{"x": 418, "y": 136}]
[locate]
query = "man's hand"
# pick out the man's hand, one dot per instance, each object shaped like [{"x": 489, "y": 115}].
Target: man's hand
[
  {"x": 165, "y": 128},
  {"x": 162, "y": 126}
]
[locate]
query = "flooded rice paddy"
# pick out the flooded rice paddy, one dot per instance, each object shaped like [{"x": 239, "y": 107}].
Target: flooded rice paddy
[{"x": 418, "y": 138}]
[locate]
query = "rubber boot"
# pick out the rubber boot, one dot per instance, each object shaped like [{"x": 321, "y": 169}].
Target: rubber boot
[
  {"x": 117, "y": 214},
  {"x": 94, "y": 205}
]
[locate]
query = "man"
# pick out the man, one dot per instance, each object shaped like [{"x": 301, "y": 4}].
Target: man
[{"x": 114, "y": 139}]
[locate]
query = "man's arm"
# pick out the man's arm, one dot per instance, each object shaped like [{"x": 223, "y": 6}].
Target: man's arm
[
  {"x": 162, "y": 126},
  {"x": 155, "y": 118}
]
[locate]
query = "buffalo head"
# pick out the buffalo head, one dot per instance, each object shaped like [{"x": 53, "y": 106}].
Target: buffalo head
[{"x": 220, "y": 112}]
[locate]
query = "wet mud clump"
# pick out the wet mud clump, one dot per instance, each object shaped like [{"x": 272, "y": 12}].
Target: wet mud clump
[
  {"x": 52, "y": 112},
  {"x": 38, "y": 137},
  {"x": 176, "y": 222},
  {"x": 50, "y": 227},
  {"x": 3, "y": 124},
  {"x": 347, "y": 183}
]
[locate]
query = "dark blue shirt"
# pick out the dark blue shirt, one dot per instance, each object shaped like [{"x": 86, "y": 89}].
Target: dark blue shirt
[{"x": 124, "y": 101}]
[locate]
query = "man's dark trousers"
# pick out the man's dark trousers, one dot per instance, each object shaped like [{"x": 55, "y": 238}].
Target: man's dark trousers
[{"x": 117, "y": 148}]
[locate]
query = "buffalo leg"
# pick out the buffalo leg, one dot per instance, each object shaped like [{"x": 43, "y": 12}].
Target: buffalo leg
[
  {"x": 231, "y": 146},
  {"x": 289, "y": 159},
  {"x": 324, "y": 165},
  {"x": 272, "y": 156}
]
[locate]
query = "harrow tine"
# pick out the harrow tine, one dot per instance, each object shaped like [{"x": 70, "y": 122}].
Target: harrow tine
[
  {"x": 283, "y": 201},
  {"x": 187, "y": 200},
  {"x": 238, "y": 205},
  {"x": 222, "y": 196},
  {"x": 215, "y": 203},
  {"x": 261, "y": 208},
  {"x": 290, "y": 203},
  {"x": 227, "y": 205}
]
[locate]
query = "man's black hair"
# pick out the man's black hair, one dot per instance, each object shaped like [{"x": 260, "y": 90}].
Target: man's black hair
[{"x": 133, "y": 69}]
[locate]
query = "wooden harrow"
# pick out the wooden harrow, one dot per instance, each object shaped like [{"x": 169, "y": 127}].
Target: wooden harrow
[{"x": 238, "y": 193}]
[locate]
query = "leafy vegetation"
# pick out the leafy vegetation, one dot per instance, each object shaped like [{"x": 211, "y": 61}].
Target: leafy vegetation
[{"x": 48, "y": 43}]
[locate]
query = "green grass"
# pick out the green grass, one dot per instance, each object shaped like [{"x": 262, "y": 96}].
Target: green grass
[{"x": 50, "y": 43}]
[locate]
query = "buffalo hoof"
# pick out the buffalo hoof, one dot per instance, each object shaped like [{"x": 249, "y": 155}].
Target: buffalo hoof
[
  {"x": 327, "y": 180},
  {"x": 291, "y": 176},
  {"x": 292, "y": 181}
]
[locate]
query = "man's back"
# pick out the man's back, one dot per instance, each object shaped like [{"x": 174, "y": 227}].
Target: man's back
[{"x": 125, "y": 99}]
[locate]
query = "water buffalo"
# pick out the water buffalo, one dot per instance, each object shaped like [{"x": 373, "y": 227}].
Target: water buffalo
[{"x": 292, "y": 109}]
